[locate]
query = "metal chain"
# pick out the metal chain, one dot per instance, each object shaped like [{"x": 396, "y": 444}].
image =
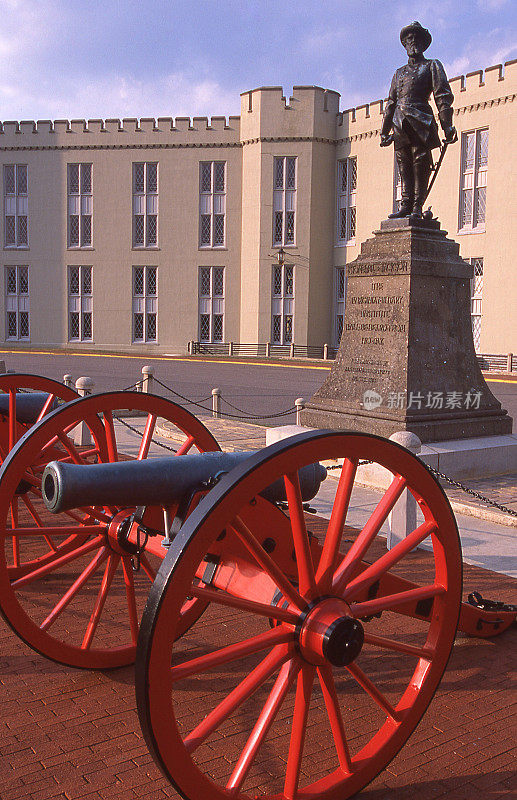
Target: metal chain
[
  {"x": 452, "y": 482},
  {"x": 135, "y": 430}
]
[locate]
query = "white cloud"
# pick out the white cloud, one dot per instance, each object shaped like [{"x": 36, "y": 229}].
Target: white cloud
[
  {"x": 491, "y": 5},
  {"x": 118, "y": 96},
  {"x": 481, "y": 51}
]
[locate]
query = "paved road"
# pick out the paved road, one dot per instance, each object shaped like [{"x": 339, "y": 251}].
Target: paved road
[{"x": 255, "y": 388}]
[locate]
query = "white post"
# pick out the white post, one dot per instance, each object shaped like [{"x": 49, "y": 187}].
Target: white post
[
  {"x": 300, "y": 405},
  {"x": 509, "y": 360},
  {"x": 216, "y": 403},
  {"x": 402, "y": 520},
  {"x": 268, "y": 349},
  {"x": 291, "y": 350},
  {"x": 82, "y": 434},
  {"x": 68, "y": 380},
  {"x": 325, "y": 351},
  {"x": 230, "y": 348},
  {"x": 147, "y": 379}
]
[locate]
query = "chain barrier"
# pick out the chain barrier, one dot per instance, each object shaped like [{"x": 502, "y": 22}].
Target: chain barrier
[
  {"x": 135, "y": 430},
  {"x": 452, "y": 482},
  {"x": 291, "y": 410}
]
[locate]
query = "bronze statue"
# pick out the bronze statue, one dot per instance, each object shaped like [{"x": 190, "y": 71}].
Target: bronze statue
[{"x": 409, "y": 121}]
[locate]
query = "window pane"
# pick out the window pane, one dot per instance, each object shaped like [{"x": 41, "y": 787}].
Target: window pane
[
  {"x": 73, "y": 230},
  {"x": 351, "y": 222},
  {"x": 218, "y": 327},
  {"x": 291, "y": 173},
  {"x": 341, "y": 284},
  {"x": 481, "y": 206},
  {"x": 277, "y": 281},
  {"x": 138, "y": 281},
  {"x": 342, "y": 223},
  {"x": 23, "y": 279},
  {"x": 74, "y": 325},
  {"x": 22, "y": 230},
  {"x": 204, "y": 327},
  {"x": 468, "y": 150},
  {"x": 277, "y": 329},
  {"x": 86, "y": 178},
  {"x": 87, "y": 280},
  {"x": 352, "y": 172},
  {"x": 22, "y": 179},
  {"x": 466, "y": 211},
  {"x": 151, "y": 327},
  {"x": 73, "y": 178},
  {"x": 138, "y": 326},
  {"x": 205, "y": 229},
  {"x": 73, "y": 277},
  {"x": 218, "y": 281},
  {"x": 151, "y": 281},
  {"x": 279, "y": 173},
  {"x": 11, "y": 280},
  {"x": 342, "y": 184},
  {"x": 152, "y": 177},
  {"x": 206, "y": 176},
  {"x": 279, "y": 217},
  {"x": 11, "y": 324},
  {"x": 218, "y": 229},
  {"x": 152, "y": 229},
  {"x": 86, "y": 233},
  {"x": 289, "y": 227},
  {"x": 87, "y": 325},
  {"x": 10, "y": 230},
  {"x": 138, "y": 177},
  {"x": 288, "y": 281},
  {"x": 139, "y": 229},
  {"x": 339, "y": 327},
  {"x": 288, "y": 328},
  {"x": 219, "y": 176},
  {"x": 24, "y": 324},
  {"x": 9, "y": 181},
  {"x": 204, "y": 289},
  {"x": 482, "y": 148}
]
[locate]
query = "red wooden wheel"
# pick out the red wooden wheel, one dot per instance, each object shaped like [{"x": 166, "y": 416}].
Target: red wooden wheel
[
  {"x": 79, "y": 602},
  {"x": 317, "y": 705},
  {"x": 15, "y": 420}
]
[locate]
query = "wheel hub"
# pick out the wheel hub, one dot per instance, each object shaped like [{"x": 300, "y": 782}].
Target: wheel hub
[{"x": 328, "y": 634}]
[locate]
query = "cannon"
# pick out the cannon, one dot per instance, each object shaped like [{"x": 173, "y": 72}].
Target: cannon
[{"x": 298, "y": 631}]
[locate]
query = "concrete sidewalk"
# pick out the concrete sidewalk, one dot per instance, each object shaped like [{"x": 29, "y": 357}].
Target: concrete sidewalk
[{"x": 489, "y": 543}]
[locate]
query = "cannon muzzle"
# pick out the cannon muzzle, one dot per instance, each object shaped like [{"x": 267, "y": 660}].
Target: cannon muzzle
[
  {"x": 155, "y": 481},
  {"x": 28, "y": 405}
]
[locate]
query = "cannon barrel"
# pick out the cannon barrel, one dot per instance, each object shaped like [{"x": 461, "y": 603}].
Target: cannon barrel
[
  {"x": 155, "y": 481},
  {"x": 28, "y": 405}
]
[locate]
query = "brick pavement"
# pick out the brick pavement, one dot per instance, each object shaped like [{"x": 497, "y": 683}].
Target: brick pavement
[{"x": 71, "y": 734}]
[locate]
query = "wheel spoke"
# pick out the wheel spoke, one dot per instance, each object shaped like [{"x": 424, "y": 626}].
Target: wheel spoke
[
  {"x": 111, "y": 439},
  {"x": 130, "y": 597},
  {"x": 391, "y": 601},
  {"x": 75, "y": 588},
  {"x": 225, "y": 599},
  {"x": 398, "y": 647},
  {"x": 376, "y": 570},
  {"x": 231, "y": 653},
  {"x": 12, "y": 418},
  {"x": 330, "y": 552},
  {"x": 107, "y": 579},
  {"x": 13, "y": 509},
  {"x": 260, "y": 730},
  {"x": 330, "y": 697},
  {"x": 71, "y": 449},
  {"x": 368, "y": 534},
  {"x": 371, "y": 690},
  {"x": 300, "y": 537},
  {"x": 48, "y": 402},
  {"x": 238, "y": 695},
  {"x": 57, "y": 562},
  {"x": 267, "y": 563},
  {"x": 185, "y": 447},
  {"x": 56, "y": 531},
  {"x": 299, "y": 725},
  {"x": 147, "y": 437}
]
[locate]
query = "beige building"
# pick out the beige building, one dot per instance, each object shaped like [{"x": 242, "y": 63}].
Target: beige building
[{"x": 157, "y": 233}]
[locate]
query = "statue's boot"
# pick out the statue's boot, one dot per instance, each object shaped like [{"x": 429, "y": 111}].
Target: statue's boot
[
  {"x": 405, "y": 165},
  {"x": 422, "y": 173}
]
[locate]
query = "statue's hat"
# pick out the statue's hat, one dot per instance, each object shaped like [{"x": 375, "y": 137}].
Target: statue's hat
[{"x": 417, "y": 29}]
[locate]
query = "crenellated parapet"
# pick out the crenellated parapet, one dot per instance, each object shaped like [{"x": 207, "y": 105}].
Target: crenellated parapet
[
  {"x": 146, "y": 132},
  {"x": 268, "y": 114}
]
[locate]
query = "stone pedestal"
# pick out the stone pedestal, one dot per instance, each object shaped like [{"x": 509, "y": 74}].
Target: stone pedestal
[{"x": 406, "y": 359}]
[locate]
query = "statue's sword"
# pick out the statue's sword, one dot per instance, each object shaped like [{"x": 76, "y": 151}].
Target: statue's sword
[{"x": 437, "y": 166}]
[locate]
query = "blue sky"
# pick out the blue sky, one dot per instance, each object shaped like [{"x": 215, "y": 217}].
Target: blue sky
[{"x": 103, "y": 58}]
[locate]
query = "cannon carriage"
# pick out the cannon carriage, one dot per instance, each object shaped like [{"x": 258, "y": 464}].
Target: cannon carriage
[{"x": 298, "y": 630}]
